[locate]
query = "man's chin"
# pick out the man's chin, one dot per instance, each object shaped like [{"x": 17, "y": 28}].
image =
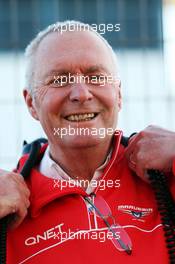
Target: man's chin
[{"x": 81, "y": 141}]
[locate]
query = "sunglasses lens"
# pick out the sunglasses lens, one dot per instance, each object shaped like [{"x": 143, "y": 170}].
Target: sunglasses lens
[
  {"x": 116, "y": 233},
  {"x": 120, "y": 238},
  {"x": 103, "y": 207}
]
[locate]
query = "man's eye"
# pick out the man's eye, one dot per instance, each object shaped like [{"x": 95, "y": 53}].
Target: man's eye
[
  {"x": 97, "y": 79},
  {"x": 59, "y": 81}
]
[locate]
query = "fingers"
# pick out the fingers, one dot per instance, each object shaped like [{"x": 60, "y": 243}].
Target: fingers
[
  {"x": 133, "y": 144},
  {"x": 17, "y": 210},
  {"x": 152, "y": 148},
  {"x": 19, "y": 216},
  {"x": 136, "y": 160},
  {"x": 131, "y": 160},
  {"x": 130, "y": 152},
  {"x": 13, "y": 203},
  {"x": 21, "y": 183},
  {"x": 14, "y": 197}
]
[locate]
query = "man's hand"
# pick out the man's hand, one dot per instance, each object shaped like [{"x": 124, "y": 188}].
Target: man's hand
[
  {"x": 152, "y": 148},
  {"x": 14, "y": 197}
]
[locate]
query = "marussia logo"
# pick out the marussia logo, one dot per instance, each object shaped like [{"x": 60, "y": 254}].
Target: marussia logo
[{"x": 137, "y": 213}]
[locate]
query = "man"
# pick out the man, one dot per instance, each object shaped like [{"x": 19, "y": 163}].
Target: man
[{"x": 86, "y": 205}]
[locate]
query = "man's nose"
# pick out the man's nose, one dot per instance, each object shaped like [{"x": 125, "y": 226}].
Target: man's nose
[{"x": 80, "y": 93}]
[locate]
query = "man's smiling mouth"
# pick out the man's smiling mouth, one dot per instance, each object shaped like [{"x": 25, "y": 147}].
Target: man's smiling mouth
[{"x": 81, "y": 117}]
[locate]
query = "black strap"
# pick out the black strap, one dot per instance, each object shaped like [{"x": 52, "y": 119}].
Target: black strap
[
  {"x": 125, "y": 140},
  {"x": 31, "y": 161}
]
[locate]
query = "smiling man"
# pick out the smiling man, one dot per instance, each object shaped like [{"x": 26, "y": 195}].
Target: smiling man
[
  {"x": 69, "y": 212},
  {"x": 81, "y": 104}
]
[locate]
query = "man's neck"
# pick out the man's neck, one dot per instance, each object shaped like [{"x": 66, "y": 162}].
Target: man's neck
[{"x": 81, "y": 163}]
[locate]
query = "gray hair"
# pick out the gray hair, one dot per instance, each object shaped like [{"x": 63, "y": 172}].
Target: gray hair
[{"x": 31, "y": 49}]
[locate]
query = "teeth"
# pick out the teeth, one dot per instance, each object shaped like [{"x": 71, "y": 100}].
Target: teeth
[{"x": 81, "y": 117}]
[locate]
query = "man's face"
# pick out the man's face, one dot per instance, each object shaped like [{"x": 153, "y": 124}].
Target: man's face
[{"x": 80, "y": 104}]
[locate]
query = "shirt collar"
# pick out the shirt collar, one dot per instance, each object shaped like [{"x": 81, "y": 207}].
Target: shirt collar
[{"x": 51, "y": 169}]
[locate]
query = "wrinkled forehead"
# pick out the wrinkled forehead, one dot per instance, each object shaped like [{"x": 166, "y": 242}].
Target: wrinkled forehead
[{"x": 74, "y": 48}]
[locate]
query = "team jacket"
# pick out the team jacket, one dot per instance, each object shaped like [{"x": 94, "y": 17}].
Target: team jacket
[{"x": 58, "y": 217}]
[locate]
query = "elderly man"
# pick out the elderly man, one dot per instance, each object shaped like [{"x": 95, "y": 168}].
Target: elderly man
[{"x": 85, "y": 205}]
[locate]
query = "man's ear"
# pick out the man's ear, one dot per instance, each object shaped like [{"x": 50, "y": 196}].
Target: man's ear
[
  {"x": 119, "y": 97},
  {"x": 30, "y": 103}
]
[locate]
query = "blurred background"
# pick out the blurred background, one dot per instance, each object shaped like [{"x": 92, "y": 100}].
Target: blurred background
[{"x": 145, "y": 46}]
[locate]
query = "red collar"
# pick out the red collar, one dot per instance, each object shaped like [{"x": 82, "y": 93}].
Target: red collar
[{"x": 42, "y": 188}]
